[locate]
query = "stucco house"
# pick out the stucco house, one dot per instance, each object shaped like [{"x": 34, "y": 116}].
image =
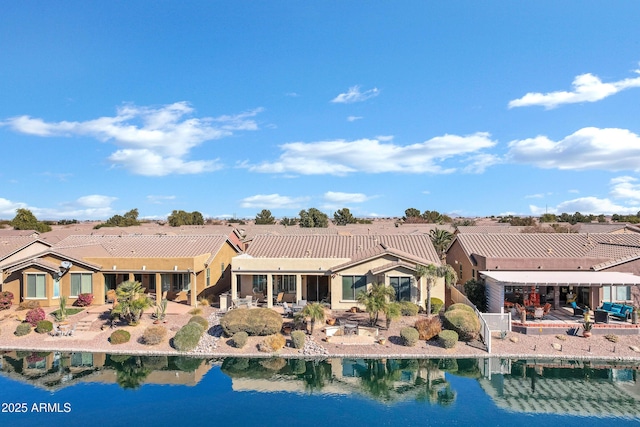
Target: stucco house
[
  {"x": 479, "y": 256},
  {"x": 181, "y": 268},
  {"x": 333, "y": 268}
]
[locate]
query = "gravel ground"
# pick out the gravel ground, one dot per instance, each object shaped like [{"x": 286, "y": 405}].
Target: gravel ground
[{"x": 214, "y": 344}]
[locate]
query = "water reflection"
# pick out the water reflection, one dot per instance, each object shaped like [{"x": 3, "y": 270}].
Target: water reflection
[{"x": 577, "y": 388}]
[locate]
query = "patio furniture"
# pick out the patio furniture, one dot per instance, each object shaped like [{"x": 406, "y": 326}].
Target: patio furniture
[
  {"x": 277, "y": 300},
  {"x": 577, "y": 311},
  {"x": 538, "y": 313},
  {"x": 619, "y": 311},
  {"x": 350, "y": 328},
  {"x": 287, "y": 311},
  {"x": 601, "y": 316}
]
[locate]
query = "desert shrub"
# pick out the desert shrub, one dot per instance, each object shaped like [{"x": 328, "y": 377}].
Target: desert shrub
[
  {"x": 28, "y": 305},
  {"x": 44, "y": 326},
  {"x": 23, "y": 329},
  {"x": 195, "y": 311},
  {"x": 464, "y": 322},
  {"x": 119, "y": 336},
  {"x": 188, "y": 336},
  {"x": 239, "y": 339},
  {"x": 84, "y": 300},
  {"x": 409, "y": 309},
  {"x": 34, "y": 316},
  {"x": 409, "y": 336},
  {"x": 297, "y": 338},
  {"x": 436, "y": 305},
  {"x": 428, "y": 328},
  {"x": 201, "y": 321},
  {"x": 461, "y": 306},
  {"x": 204, "y": 302},
  {"x": 272, "y": 343},
  {"x": 255, "y": 321},
  {"x": 611, "y": 337},
  {"x": 448, "y": 338},
  {"x": 273, "y": 364},
  {"x": 154, "y": 335},
  {"x": 6, "y": 299}
]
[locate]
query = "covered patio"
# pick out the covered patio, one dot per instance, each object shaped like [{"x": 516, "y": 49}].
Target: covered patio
[{"x": 558, "y": 288}]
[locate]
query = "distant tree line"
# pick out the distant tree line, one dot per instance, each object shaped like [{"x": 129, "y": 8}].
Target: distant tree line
[
  {"x": 127, "y": 220},
  {"x": 179, "y": 218},
  {"x": 413, "y": 215}
]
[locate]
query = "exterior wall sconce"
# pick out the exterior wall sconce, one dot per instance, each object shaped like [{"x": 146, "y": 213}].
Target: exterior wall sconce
[
  {"x": 144, "y": 267},
  {"x": 114, "y": 267}
]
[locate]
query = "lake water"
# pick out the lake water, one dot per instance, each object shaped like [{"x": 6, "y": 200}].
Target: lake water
[{"x": 114, "y": 390}]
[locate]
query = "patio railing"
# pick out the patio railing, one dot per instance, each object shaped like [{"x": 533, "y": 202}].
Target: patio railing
[{"x": 489, "y": 322}]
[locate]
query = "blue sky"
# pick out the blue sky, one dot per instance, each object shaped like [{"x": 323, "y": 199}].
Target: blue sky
[{"x": 229, "y": 108}]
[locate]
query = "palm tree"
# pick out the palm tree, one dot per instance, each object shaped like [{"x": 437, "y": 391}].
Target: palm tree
[
  {"x": 132, "y": 301},
  {"x": 440, "y": 239},
  {"x": 376, "y": 300},
  {"x": 449, "y": 274},
  {"x": 431, "y": 272},
  {"x": 315, "y": 312},
  {"x": 392, "y": 311}
]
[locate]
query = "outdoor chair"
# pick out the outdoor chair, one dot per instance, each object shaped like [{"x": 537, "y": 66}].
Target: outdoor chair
[
  {"x": 287, "y": 311},
  {"x": 538, "y": 313},
  {"x": 277, "y": 300}
]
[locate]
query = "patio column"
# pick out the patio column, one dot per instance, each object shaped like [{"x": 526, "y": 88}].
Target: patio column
[
  {"x": 556, "y": 297},
  {"x": 193, "y": 286},
  {"x": 158, "y": 288},
  {"x": 269, "y": 291},
  {"x": 298, "y": 287},
  {"x": 234, "y": 289}
]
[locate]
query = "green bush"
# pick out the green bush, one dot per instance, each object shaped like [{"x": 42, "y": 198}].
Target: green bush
[
  {"x": 23, "y": 329},
  {"x": 201, "y": 321},
  {"x": 409, "y": 336},
  {"x": 429, "y": 327},
  {"x": 448, "y": 338},
  {"x": 255, "y": 321},
  {"x": 464, "y": 322},
  {"x": 188, "y": 337},
  {"x": 188, "y": 364},
  {"x": 475, "y": 290},
  {"x": 297, "y": 338},
  {"x": 119, "y": 336},
  {"x": 44, "y": 326},
  {"x": 272, "y": 343},
  {"x": 436, "y": 305},
  {"x": 154, "y": 335},
  {"x": 409, "y": 309},
  {"x": 239, "y": 339},
  {"x": 461, "y": 306}
]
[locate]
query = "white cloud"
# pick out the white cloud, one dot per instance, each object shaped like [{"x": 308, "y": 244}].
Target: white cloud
[
  {"x": 152, "y": 141},
  {"x": 384, "y": 138},
  {"x": 574, "y": 191},
  {"x": 624, "y": 187},
  {"x": 480, "y": 162},
  {"x": 93, "y": 206},
  {"x": 273, "y": 201},
  {"x": 340, "y": 157},
  {"x": 354, "y": 95},
  {"x": 588, "y": 148},
  {"x": 534, "y": 196},
  {"x": 426, "y": 192},
  {"x": 157, "y": 200},
  {"x": 353, "y": 118},
  {"x": 586, "y": 88},
  {"x": 339, "y": 197},
  {"x": 587, "y": 205}
]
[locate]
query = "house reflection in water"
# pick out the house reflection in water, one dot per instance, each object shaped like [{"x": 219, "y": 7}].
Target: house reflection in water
[
  {"x": 573, "y": 388},
  {"x": 55, "y": 370}
]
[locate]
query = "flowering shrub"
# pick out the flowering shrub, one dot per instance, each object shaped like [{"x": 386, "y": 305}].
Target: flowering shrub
[
  {"x": 6, "y": 299},
  {"x": 34, "y": 316},
  {"x": 84, "y": 300}
]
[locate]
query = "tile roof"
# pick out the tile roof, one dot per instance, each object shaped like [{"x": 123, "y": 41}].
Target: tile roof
[
  {"x": 488, "y": 229},
  {"x": 544, "y": 245},
  {"x": 11, "y": 244},
  {"x": 337, "y": 246},
  {"x": 141, "y": 246}
]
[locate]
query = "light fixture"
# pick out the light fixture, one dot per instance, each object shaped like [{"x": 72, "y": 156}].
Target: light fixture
[
  {"x": 144, "y": 267},
  {"x": 114, "y": 267},
  {"x": 175, "y": 268}
]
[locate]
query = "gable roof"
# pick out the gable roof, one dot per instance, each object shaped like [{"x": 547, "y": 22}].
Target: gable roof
[
  {"x": 149, "y": 246},
  {"x": 336, "y": 246},
  {"x": 14, "y": 244}
]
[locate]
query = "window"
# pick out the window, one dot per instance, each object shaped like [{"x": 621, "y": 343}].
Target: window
[
  {"x": 352, "y": 286},
  {"x": 81, "y": 283},
  {"x": 473, "y": 273},
  {"x": 460, "y": 275},
  {"x": 208, "y": 277},
  {"x": 285, "y": 283},
  {"x": 402, "y": 286},
  {"x": 616, "y": 293},
  {"x": 36, "y": 285},
  {"x": 180, "y": 282},
  {"x": 260, "y": 282}
]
